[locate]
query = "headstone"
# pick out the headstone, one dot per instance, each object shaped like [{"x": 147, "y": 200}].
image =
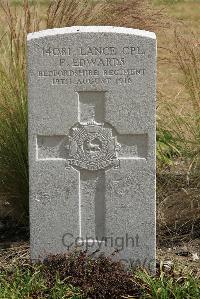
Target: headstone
[{"x": 92, "y": 142}]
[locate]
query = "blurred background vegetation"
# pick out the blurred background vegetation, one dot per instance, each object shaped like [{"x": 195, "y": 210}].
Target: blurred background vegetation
[{"x": 176, "y": 24}]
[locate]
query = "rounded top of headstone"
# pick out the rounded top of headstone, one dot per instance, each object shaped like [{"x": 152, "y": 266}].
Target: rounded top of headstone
[{"x": 90, "y": 29}]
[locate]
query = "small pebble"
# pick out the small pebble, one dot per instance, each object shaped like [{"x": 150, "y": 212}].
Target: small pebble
[{"x": 195, "y": 257}]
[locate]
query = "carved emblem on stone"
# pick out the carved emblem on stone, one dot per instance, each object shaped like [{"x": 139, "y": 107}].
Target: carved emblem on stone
[{"x": 92, "y": 146}]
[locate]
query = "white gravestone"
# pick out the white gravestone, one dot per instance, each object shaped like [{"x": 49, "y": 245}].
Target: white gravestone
[{"x": 92, "y": 142}]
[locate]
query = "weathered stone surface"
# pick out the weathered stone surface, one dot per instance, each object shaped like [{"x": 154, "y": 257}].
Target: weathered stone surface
[{"x": 92, "y": 141}]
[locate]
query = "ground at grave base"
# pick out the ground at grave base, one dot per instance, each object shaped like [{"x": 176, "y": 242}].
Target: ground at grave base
[
  {"x": 185, "y": 255},
  {"x": 80, "y": 276}
]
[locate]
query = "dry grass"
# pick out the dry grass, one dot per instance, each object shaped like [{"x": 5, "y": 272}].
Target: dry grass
[
  {"x": 13, "y": 108},
  {"x": 126, "y": 13},
  {"x": 187, "y": 55},
  {"x": 18, "y": 255},
  {"x": 179, "y": 142},
  {"x": 179, "y": 121}
]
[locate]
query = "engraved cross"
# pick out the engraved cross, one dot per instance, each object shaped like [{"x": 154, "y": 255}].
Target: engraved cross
[{"x": 92, "y": 148}]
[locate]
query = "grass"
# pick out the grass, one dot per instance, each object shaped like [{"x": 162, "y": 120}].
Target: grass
[
  {"x": 81, "y": 276},
  {"x": 31, "y": 2},
  {"x": 164, "y": 287},
  {"x": 126, "y": 13},
  {"x": 30, "y": 284},
  {"x": 171, "y": 2},
  {"x": 179, "y": 131},
  {"x": 13, "y": 108}
]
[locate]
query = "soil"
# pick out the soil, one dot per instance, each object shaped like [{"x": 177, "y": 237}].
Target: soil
[
  {"x": 183, "y": 257},
  {"x": 11, "y": 233},
  {"x": 181, "y": 252}
]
